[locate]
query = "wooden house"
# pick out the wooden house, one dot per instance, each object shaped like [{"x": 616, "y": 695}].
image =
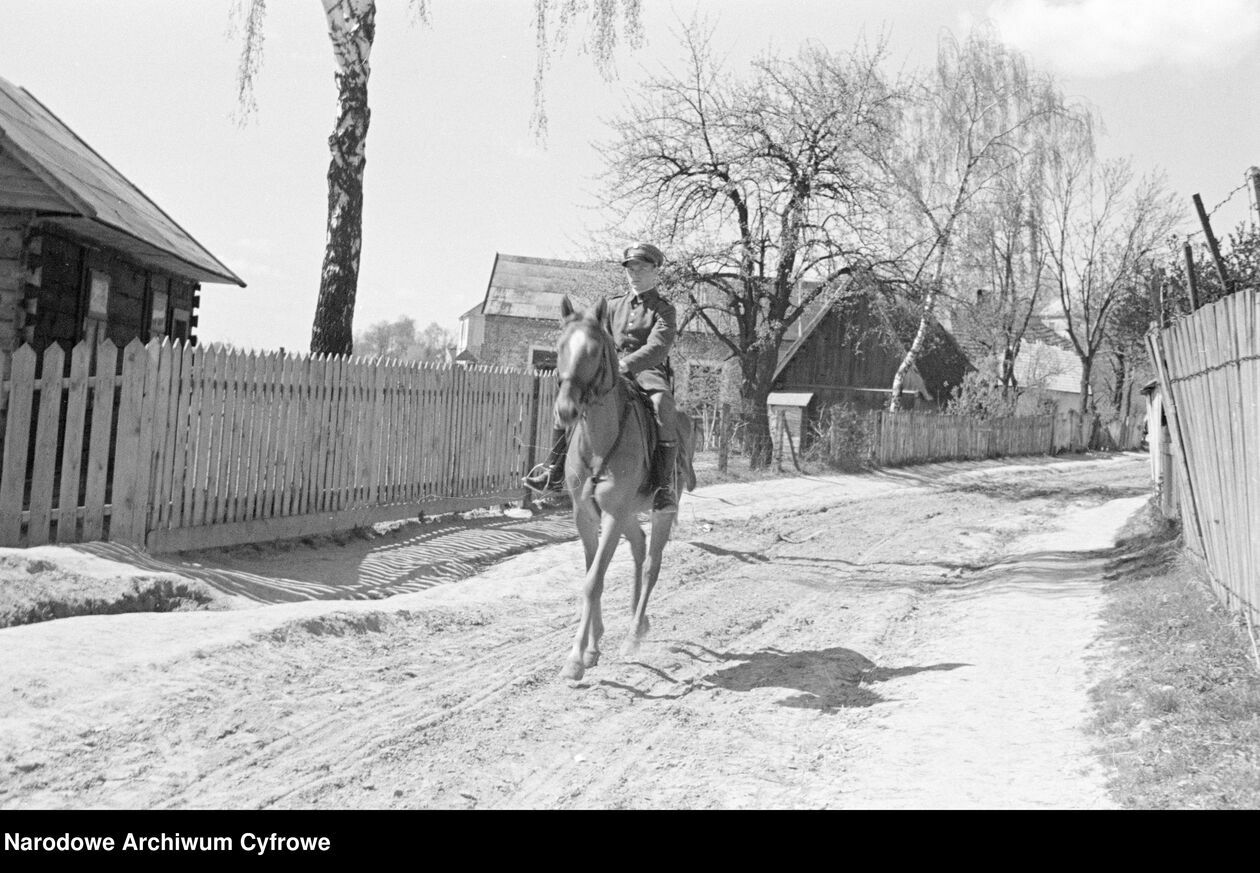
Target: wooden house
[
  {"x": 849, "y": 351},
  {"x": 84, "y": 254},
  {"x": 1047, "y": 367}
]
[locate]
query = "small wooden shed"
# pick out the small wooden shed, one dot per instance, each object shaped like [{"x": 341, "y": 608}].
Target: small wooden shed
[
  {"x": 789, "y": 415},
  {"x": 84, "y": 254}
]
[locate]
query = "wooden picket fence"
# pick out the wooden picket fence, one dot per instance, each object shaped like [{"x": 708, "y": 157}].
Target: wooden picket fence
[
  {"x": 852, "y": 438},
  {"x": 174, "y": 447},
  {"x": 907, "y": 437},
  {"x": 1208, "y": 365}
]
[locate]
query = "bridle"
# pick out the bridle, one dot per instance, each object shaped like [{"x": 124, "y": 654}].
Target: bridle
[
  {"x": 604, "y": 382},
  {"x": 604, "y": 379}
]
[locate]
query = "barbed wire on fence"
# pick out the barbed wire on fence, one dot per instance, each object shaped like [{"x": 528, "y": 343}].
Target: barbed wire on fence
[{"x": 1228, "y": 197}]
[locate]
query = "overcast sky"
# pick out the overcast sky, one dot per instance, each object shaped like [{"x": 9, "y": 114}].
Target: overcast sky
[{"x": 453, "y": 172}]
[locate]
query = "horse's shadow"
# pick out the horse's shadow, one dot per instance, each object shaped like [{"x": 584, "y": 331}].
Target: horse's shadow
[{"x": 827, "y": 679}]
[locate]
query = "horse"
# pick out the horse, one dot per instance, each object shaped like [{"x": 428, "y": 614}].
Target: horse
[{"x": 608, "y": 474}]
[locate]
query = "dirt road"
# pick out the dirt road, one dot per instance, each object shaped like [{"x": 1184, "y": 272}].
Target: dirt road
[{"x": 917, "y": 638}]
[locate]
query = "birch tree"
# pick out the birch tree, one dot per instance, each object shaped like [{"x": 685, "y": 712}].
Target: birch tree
[
  {"x": 968, "y": 124},
  {"x": 1001, "y": 261},
  {"x": 352, "y": 32}
]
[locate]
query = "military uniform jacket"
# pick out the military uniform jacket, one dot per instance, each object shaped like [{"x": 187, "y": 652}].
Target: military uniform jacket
[{"x": 644, "y": 327}]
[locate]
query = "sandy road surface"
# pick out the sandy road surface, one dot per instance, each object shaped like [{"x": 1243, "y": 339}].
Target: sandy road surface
[{"x": 909, "y": 639}]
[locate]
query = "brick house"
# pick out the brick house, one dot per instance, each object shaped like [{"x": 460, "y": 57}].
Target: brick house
[{"x": 517, "y": 322}]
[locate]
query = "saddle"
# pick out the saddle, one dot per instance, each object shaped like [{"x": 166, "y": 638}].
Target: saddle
[{"x": 649, "y": 430}]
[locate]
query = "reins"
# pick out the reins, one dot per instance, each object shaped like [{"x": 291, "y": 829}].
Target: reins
[{"x": 602, "y": 384}]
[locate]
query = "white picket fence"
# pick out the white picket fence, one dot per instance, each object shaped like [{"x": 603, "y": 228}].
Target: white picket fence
[{"x": 175, "y": 447}]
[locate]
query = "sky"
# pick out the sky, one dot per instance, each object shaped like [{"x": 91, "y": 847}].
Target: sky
[{"x": 455, "y": 175}]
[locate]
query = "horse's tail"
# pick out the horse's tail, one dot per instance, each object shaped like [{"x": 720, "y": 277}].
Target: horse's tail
[{"x": 686, "y": 449}]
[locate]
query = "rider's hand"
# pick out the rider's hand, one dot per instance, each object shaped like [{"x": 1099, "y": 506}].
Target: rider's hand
[{"x": 622, "y": 368}]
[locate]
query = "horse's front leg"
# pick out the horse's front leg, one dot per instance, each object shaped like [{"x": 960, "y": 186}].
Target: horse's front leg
[
  {"x": 585, "y": 652},
  {"x": 586, "y": 519},
  {"x": 638, "y": 549},
  {"x": 662, "y": 524}
]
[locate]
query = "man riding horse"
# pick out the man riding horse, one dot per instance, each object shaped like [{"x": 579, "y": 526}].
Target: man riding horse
[{"x": 643, "y": 326}]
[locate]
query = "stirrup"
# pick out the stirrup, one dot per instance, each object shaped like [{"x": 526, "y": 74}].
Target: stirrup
[
  {"x": 665, "y": 500},
  {"x": 544, "y": 479}
]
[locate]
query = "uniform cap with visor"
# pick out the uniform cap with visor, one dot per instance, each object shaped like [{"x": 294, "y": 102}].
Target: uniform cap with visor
[{"x": 643, "y": 252}]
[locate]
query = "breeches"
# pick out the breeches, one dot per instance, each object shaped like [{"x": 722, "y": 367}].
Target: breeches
[{"x": 666, "y": 419}]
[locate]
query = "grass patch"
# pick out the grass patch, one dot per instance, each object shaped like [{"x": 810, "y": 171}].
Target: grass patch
[
  {"x": 738, "y": 469},
  {"x": 1179, "y": 718}
]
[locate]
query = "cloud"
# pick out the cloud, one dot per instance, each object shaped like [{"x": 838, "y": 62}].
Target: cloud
[{"x": 1103, "y": 37}]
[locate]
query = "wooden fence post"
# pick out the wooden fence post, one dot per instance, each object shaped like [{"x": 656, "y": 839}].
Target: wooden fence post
[
  {"x": 724, "y": 438},
  {"x": 531, "y": 450},
  {"x": 1213, "y": 246}
]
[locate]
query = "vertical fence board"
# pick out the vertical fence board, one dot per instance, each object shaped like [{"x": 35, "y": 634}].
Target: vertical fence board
[
  {"x": 285, "y": 435},
  {"x": 152, "y": 432},
  {"x": 99, "y": 439},
  {"x": 127, "y": 458},
  {"x": 45, "y": 460},
  {"x": 183, "y": 432},
  {"x": 72, "y": 448},
  {"x": 216, "y": 397},
  {"x": 1249, "y": 352},
  {"x": 16, "y": 435},
  {"x": 217, "y": 511},
  {"x": 200, "y": 425},
  {"x": 254, "y": 437}
]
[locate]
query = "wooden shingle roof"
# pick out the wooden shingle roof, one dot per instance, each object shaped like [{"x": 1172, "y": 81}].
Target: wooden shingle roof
[{"x": 69, "y": 185}]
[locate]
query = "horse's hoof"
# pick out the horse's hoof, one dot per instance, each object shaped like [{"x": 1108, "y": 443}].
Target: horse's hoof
[
  {"x": 573, "y": 670},
  {"x": 590, "y": 659},
  {"x": 630, "y": 647}
]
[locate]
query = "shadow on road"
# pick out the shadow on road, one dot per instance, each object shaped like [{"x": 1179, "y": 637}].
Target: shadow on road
[
  {"x": 827, "y": 679},
  {"x": 355, "y": 566}
]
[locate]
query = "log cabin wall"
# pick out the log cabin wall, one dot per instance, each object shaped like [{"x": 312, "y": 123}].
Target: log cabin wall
[
  {"x": 74, "y": 290},
  {"x": 12, "y": 275}
]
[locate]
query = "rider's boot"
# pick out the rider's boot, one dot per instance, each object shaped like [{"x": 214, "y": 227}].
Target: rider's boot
[
  {"x": 548, "y": 478},
  {"x": 663, "y": 462}
]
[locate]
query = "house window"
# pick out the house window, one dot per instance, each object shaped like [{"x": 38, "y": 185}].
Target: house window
[
  {"x": 157, "y": 319},
  {"x": 98, "y": 297},
  {"x": 542, "y": 358},
  {"x": 179, "y": 323}
]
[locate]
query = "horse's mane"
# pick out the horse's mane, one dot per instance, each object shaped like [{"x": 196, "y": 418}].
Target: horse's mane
[{"x": 607, "y": 346}]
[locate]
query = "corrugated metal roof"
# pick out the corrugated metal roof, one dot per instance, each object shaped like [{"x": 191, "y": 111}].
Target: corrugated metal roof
[{"x": 99, "y": 198}]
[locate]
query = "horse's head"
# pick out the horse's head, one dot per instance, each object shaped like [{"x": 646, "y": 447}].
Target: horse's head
[{"x": 586, "y": 361}]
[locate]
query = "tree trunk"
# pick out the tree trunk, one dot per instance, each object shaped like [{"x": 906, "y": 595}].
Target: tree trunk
[
  {"x": 756, "y": 418},
  {"x": 929, "y": 304},
  {"x": 352, "y": 27},
  {"x": 1081, "y": 438},
  {"x": 1122, "y": 383},
  {"x": 724, "y": 438}
]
